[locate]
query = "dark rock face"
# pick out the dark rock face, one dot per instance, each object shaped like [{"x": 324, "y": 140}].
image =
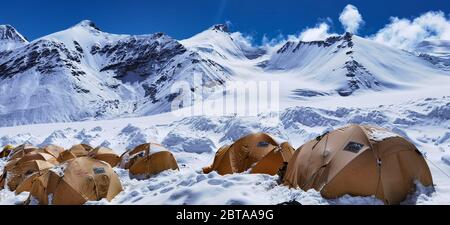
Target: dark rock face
[
  {"x": 346, "y": 39},
  {"x": 221, "y": 27},
  {"x": 358, "y": 76},
  {"x": 150, "y": 92},
  {"x": 285, "y": 47},
  {"x": 440, "y": 62},
  {"x": 143, "y": 56},
  {"x": 45, "y": 56}
]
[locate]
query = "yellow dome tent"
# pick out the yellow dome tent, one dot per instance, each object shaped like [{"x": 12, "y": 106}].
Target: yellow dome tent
[{"x": 6, "y": 151}]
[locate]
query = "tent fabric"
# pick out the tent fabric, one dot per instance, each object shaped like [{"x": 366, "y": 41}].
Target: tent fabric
[
  {"x": 274, "y": 160},
  {"x": 38, "y": 156},
  {"x": 258, "y": 153},
  {"x": 53, "y": 150},
  {"x": 105, "y": 154},
  {"x": 359, "y": 161},
  {"x": 18, "y": 171},
  {"x": 77, "y": 181},
  {"x": 66, "y": 156},
  {"x": 22, "y": 150},
  {"x": 75, "y": 151},
  {"x": 80, "y": 150},
  {"x": 148, "y": 159}
]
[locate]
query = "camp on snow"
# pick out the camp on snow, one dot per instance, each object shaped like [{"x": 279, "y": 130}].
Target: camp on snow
[{"x": 356, "y": 160}]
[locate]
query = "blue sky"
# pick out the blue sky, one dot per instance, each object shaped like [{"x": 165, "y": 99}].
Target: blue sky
[{"x": 182, "y": 19}]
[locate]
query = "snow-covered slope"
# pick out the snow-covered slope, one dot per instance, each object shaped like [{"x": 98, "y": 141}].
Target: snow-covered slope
[
  {"x": 436, "y": 52},
  {"x": 350, "y": 63},
  {"x": 194, "y": 140},
  {"x": 84, "y": 73}
]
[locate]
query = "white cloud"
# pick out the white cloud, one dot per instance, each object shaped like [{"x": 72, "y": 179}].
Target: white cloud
[
  {"x": 406, "y": 34},
  {"x": 320, "y": 32},
  {"x": 351, "y": 19}
]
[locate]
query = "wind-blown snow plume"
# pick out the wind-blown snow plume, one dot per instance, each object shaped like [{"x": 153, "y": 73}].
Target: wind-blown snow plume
[
  {"x": 351, "y": 19},
  {"x": 406, "y": 34}
]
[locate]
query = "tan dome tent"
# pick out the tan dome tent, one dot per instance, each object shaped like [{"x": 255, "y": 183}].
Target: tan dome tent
[
  {"x": 148, "y": 159},
  {"x": 38, "y": 156},
  {"x": 16, "y": 172},
  {"x": 53, "y": 150},
  {"x": 274, "y": 160},
  {"x": 81, "y": 150},
  {"x": 77, "y": 181},
  {"x": 66, "y": 156},
  {"x": 257, "y": 152},
  {"x": 105, "y": 154},
  {"x": 22, "y": 150},
  {"x": 75, "y": 151},
  {"x": 359, "y": 161}
]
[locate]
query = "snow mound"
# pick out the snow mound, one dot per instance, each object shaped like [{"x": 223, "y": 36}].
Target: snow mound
[
  {"x": 132, "y": 136},
  {"x": 446, "y": 159},
  {"x": 306, "y": 116},
  {"x": 188, "y": 142},
  {"x": 18, "y": 139}
]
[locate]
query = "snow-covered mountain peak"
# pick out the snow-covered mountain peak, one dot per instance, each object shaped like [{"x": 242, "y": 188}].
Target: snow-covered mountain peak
[
  {"x": 350, "y": 63},
  {"x": 92, "y": 74},
  {"x": 344, "y": 41},
  {"x": 219, "y": 43},
  {"x": 8, "y": 32},
  {"x": 221, "y": 27},
  {"x": 87, "y": 24},
  {"x": 10, "y": 38}
]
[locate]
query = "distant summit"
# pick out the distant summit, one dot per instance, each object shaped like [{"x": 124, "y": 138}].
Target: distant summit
[
  {"x": 221, "y": 27},
  {"x": 88, "y": 23},
  {"x": 8, "y": 32}
]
